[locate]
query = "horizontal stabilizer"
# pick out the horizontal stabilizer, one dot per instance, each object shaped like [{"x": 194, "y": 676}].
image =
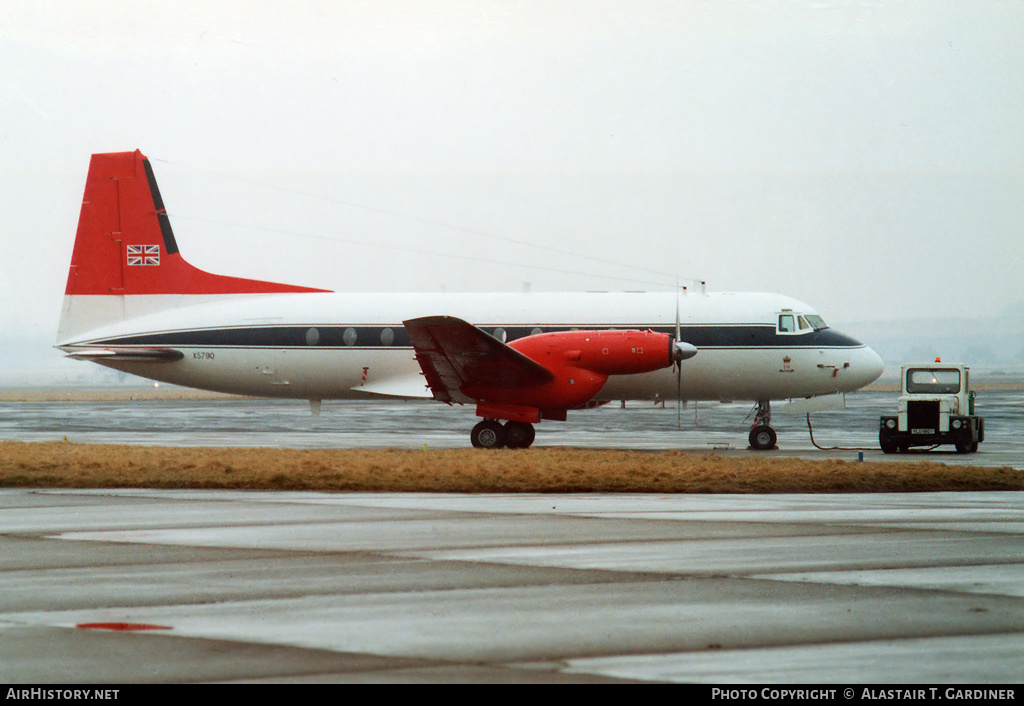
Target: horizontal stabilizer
[{"x": 138, "y": 355}]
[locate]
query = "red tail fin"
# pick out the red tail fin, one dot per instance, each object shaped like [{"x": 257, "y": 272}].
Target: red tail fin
[{"x": 125, "y": 245}]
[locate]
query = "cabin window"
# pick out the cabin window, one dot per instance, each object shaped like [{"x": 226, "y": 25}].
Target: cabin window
[
  {"x": 312, "y": 337},
  {"x": 387, "y": 337},
  {"x": 536, "y": 330},
  {"x": 500, "y": 334},
  {"x": 349, "y": 337}
]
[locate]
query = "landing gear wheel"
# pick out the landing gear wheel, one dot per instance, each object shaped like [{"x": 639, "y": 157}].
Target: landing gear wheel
[
  {"x": 488, "y": 434},
  {"x": 519, "y": 435},
  {"x": 762, "y": 438}
]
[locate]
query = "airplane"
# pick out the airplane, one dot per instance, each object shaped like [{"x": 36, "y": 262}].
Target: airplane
[{"x": 133, "y": 303}]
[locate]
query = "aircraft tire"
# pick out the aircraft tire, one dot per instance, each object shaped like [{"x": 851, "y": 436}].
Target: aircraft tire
[
  {"x": 488, "y": 434},
  {"x": 519, "y": 435},
  {"x": 762, "y": 438}
]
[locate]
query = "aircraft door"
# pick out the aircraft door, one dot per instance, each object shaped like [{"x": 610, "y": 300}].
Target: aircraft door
[
  {"x": 280, "y": 374},
  {"x": 273, "y": 366}
]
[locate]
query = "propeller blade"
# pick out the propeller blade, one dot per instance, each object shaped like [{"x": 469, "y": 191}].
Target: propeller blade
[
  {"x": 679, "y": 368},
  {"x": 677, "y": 323}
]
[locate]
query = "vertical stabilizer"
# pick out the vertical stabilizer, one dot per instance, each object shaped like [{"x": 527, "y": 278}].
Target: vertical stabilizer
[{"x": 126, "y": 261}]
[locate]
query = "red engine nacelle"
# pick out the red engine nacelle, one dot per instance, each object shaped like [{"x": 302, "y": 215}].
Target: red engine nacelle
[
  {"x": 581, "y": 362},
  {"x": 603, "y": 352}
]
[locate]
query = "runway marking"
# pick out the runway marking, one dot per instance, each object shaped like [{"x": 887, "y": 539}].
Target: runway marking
[{"x": 121, "y": 626}]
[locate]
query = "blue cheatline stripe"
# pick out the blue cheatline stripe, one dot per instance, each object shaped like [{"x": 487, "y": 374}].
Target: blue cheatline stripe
[{"x": 341, "y": 336}]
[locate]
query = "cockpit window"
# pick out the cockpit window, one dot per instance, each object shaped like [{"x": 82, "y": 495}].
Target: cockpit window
[
  {"x": 816, "y": 321},
  {"x": 934, "y": 381},
  {"x": 791, "y": 322}
]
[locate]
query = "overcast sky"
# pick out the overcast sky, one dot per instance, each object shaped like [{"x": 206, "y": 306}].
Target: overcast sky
[{"x": 864, "y": 157}]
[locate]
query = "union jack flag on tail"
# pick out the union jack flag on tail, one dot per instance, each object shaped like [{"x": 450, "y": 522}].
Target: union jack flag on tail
[{"x": 143, "y": 254}]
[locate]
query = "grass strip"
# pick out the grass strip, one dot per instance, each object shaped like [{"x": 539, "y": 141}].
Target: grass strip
[{"x": 536, "y": 470}]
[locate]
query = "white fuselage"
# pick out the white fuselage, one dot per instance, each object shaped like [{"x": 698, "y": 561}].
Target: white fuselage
[{"x": 349, "y": 346}]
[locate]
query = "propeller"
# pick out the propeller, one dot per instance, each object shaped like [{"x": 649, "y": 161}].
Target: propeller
[{"x": 681, "y": 350}]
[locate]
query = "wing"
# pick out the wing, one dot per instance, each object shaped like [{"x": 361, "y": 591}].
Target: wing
[{"x": 454, "y": 355}]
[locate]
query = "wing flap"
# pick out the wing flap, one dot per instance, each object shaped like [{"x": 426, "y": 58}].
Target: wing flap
[
  {"x": 404, "y": 386},
  {"x": 455, "y": 355}
]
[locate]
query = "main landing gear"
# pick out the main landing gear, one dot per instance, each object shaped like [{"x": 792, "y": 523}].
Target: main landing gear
[
  {"x": 762, "y": 436},
  {"x": 492, "y": 434}
]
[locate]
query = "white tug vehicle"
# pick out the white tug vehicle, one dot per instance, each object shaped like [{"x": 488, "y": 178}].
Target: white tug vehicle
[{"x": 936, "y": 407}]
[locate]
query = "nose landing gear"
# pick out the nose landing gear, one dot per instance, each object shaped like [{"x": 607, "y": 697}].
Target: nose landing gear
[{"x": 762, "y": 436}]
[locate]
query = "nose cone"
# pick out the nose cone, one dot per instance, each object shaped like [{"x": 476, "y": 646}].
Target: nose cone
[
  {"x": 855, "y": 365},
  {"x": 866, "y": 366}
]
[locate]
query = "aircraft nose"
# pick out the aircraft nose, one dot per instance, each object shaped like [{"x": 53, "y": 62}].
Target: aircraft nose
[{"x": 867, "y": 366}]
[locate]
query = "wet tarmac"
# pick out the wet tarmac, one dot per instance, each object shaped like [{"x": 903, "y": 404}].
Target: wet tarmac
[
  {"x": 143, "y": 586},
  {"x": 136, "y": 586},
  {"x": 396, "y": 424}
]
